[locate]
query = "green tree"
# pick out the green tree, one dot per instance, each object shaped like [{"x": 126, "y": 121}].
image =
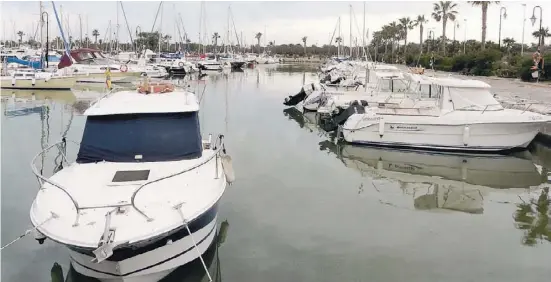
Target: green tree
[
  {"x": 508, "y": 42},
  {"x": 304, "y": 38},
  {"x": 442, "y": 11},
  {"x": 484, "y": 5},
  {"x": 420, "y": 21},
  {"x": 405, "y": 25}
]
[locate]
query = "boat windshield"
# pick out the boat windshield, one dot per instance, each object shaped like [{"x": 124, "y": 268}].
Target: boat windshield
[
  {"x": 141, "y": 138},
  {"x": 393, "y": 85}
]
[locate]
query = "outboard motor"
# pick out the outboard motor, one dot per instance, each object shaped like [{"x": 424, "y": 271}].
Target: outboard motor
[
  {"x": 306, "y": 90},
  {"x": 356, "y": 107}
]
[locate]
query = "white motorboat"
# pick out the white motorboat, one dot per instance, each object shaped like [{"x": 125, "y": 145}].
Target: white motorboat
[
  {"x": 459, "y": 115},
  {"x": 142, "y": 196},
  {"x": 317, "y": 97},
  {"x": 92, "y": 63},
  {"x": 209, "y": 65}
]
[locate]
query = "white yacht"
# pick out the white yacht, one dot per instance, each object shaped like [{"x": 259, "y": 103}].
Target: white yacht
[
  {"x": 142, "y": 196},
  {"x": 457, "y": 115},
  {"x": 92, "y": 63}
]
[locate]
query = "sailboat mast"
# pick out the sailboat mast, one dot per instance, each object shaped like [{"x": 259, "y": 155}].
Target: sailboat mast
[
  {"x": 41, "y": 26},
  {"x": 117, "y": 35},
  {"x": 228, "y": 32},
  {"x": 350, "y": 34},
  {"x": 340, "y": 39},
  {"x": 200, "y": 26},
  {"x": 160, "y": 28},
  {"x": 80, "y": 23},
  {"x": 363, "y": 35}
]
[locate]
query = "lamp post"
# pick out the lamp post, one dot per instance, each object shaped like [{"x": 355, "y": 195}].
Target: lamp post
[
  {"x": 502, "y": 14},
  {"x": 465, "y": 35},
  {"x": 455, "y": 25},
  {"x": 533, "y": 19},
  {"x": 523, "y": 25},
  {"x": 430, "y": 37}
]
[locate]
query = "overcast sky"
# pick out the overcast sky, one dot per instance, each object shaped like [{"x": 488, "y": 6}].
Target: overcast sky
[{"x": 282, "y": 22}]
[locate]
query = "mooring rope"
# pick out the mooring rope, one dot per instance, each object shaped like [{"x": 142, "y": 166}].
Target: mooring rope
[
  {"x": 28, "y": 231},
  {"x": 179, "y": 208}
]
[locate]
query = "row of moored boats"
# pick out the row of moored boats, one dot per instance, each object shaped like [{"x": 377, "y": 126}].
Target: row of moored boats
[{"x": 379, "y": 104}]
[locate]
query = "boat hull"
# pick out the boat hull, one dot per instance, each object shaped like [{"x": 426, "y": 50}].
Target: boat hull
[
  {"x": 237, "y": 65},
  {"x": 210, "y": 67},
  {"x": 151, "y": 263},
  {"x": 459, "y": 137},
  {"x": 39, "y": 84}
]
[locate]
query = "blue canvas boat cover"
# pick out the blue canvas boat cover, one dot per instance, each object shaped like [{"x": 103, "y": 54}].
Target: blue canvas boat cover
[{"x": 155, "y": 137}]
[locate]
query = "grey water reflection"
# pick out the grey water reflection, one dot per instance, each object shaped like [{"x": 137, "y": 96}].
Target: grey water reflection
[{"x": 303, "y": 207}]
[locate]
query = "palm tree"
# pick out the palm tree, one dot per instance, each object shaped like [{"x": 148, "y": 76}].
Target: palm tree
[
  {"x": 20, "y": 34},
  {"x": 421, "y": 21},
  {"x": 258, "y": 36},
  {"x": 215, "y": 37},
  {"x": 406, "y": 24},
  {"x": 544, "y": 32},
  {"x": 393, "y": 33},
  {"x": 95, "y": 34},
  {"x": 484, "y": 6},
  {"x": 304, "y": 42},
  {"x": 508, "y": 42},
  {"x": 443, "y": 11},
  {"x": 338, "y": 40}
]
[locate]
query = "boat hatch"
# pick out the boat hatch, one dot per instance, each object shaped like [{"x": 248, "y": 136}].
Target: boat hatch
[{"x": 130, "y": 175}]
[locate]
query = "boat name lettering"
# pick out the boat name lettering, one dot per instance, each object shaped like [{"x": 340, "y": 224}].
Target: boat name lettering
[{"x": 405, "y": 127}]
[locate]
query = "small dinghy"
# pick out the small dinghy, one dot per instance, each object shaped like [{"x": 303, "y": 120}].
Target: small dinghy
[{"x": 141, "y": 198}]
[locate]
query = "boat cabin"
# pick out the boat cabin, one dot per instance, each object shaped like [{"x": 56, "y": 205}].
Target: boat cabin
[
  {"x": 132, "y": 127},
  {"x": 434, "y": 96}
]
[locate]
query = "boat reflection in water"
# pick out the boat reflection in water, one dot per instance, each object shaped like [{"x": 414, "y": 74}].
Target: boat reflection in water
[
  {"x": 449, "y": 181},
  {"x": 190, "y": 272},
  {"x": 444, "y": 181}
]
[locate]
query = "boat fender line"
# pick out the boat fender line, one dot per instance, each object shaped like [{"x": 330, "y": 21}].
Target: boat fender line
[
  {"x": 12, "y": 81},
  {"x": 466, "y": 135},
  {"x": 33, "y": 81},
  {"x": 38, "y": 236},
  {"x": 381, "y": 127},
  {"x": 178, "y": 207}
]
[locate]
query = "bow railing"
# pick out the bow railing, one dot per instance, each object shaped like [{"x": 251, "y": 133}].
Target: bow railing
[{"x": 218, "y": 147}]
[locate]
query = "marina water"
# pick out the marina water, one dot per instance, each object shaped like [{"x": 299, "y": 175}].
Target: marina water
[{"x": 306, "y": 208}]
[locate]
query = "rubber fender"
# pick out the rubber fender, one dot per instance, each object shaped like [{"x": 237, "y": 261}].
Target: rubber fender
[{"x": 227, "y": 166}]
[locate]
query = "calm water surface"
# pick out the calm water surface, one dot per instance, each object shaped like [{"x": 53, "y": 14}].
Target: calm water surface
[{"x": 304, "y": 208}]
